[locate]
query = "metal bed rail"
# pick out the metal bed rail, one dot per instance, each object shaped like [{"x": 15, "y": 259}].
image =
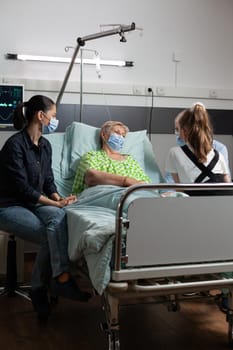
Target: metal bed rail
[{"x": 169, "y": 187}]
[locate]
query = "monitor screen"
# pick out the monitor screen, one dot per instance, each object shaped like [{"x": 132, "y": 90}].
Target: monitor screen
[{"x": 10, "y": 97}]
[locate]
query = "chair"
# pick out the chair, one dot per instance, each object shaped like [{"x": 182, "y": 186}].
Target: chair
[{"x": 12, "y": 287}]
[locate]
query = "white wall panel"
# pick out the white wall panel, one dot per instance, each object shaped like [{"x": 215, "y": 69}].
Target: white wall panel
[{"x": 200, "y": 32}]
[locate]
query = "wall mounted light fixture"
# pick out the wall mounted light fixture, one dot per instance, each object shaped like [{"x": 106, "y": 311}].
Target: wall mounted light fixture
[{"x": 21, "y": 57}]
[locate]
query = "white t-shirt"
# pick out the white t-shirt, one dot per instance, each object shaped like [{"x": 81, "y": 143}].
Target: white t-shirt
[{"x": 179, "y": 163}]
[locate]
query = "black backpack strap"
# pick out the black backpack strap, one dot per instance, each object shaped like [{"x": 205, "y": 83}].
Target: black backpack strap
[
  {"x": 205, "y": 170},
  {"x": 209, "y": 167}
]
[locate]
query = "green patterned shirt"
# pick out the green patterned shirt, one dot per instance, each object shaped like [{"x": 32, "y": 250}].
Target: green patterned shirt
[{"x": 99, "y": 160}]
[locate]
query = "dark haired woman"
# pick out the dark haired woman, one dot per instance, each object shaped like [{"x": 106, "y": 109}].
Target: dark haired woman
[{"x": 30, "y": 206}]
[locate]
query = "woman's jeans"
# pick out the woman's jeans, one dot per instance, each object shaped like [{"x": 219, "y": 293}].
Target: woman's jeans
[{"x": 46, "y": 226}]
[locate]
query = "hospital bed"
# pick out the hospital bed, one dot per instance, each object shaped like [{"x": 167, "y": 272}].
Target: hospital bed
[{"x": 139, "y": 244}]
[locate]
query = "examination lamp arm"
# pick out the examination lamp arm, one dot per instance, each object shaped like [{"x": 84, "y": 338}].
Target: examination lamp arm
[
  {"x": 81, "y": 42},
  {"x": 118, "y": 30}
]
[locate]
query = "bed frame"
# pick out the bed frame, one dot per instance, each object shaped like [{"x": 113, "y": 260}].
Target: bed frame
[
  {"x": 164, "y": 247},
  {"x": 173, "y": 246}
]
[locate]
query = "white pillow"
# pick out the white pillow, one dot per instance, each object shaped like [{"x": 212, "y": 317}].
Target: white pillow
[{"x": 134, "y": 145}]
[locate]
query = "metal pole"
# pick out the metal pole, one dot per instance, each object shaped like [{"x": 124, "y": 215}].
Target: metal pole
[
  {"x": 118, "y": 30},
  {"x": 67, "y": 75},
  {"x": 81, "y": 87},
  {"x": 81, "y": 42}
]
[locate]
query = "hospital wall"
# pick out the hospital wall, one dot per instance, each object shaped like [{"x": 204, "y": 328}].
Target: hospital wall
[{"x": 182, "y": 44}]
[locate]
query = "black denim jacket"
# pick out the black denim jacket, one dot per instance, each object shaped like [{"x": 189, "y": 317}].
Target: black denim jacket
[{"x": 25, "y": 170}]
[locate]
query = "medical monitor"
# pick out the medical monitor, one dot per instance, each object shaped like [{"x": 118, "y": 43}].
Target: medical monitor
[{"x": 10, "y": 96}]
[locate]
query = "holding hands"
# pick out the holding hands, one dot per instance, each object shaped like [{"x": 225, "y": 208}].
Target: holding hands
[{"x": 64, "y": 201}]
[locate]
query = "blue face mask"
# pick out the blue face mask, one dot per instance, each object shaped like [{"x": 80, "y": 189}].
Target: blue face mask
[
  {"x": 180, "y": 142},
  {"x": 51, "y": 127},
  {"x": 115, "y": 142}
]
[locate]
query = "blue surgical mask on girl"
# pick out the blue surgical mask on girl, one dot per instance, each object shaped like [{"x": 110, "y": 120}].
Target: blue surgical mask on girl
[
  {"x": 180, "y": 142},
  {"x": 51, "y": 127},
  {"x": 116, "y": 142}
]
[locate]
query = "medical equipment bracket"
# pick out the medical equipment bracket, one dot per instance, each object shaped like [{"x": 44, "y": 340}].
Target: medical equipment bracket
[{"x": 81, "y": 42}]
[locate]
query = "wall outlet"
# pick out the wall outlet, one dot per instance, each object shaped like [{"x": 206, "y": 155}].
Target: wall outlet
[
  {"x": 160, "y": 91},
  {"x": 213, "y": 93},
  {"x": 138, "y": 90}
]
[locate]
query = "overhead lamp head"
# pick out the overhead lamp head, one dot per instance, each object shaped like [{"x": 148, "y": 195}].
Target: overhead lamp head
[{"x": 122, "y": 39}]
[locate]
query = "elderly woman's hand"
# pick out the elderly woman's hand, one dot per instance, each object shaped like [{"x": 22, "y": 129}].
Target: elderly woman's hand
[
  {"x": 71, "y": 199},
  {"x": 66, "y": 200},
  {"x": 130, "y": 181}
]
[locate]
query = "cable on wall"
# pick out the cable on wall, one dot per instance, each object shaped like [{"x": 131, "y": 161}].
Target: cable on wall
[{"x": 150, "y": 90}]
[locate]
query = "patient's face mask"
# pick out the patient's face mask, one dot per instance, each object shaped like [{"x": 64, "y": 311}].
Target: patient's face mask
[
  {"x": 51, "y": 127},
  {"x": 116, "y": 142}
]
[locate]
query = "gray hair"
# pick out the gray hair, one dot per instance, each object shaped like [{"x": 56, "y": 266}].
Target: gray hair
[{"x": 107, "y": 126}]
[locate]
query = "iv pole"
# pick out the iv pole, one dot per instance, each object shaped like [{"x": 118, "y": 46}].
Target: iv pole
[
  {"x": 81, "y": 42},
  {"x": 81, "y": 86}
]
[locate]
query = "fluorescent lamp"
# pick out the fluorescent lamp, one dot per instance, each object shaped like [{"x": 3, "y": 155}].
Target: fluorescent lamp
[{"x": 19, "y": 57}]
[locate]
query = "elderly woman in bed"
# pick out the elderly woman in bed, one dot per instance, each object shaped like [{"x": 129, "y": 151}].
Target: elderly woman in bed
[{"x": 108, "y": 166}]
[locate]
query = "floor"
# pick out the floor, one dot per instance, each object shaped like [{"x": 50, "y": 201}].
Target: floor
[{"x": 198, "y": 325}]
